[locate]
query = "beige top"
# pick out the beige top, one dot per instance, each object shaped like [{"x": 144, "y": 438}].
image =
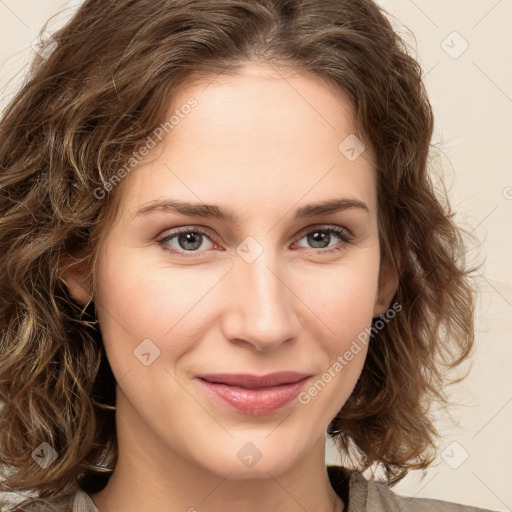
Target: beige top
[
  {"x": 358, "y": 494},
  {"x": 363, "y": 496}
]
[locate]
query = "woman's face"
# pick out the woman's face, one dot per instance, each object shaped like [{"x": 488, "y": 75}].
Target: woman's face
[{"x": 262, "y": 290}]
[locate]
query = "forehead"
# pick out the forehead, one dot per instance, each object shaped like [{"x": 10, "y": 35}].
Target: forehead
[
  {"x": 260, "y": 102},
  {"x": 259, "y": 131}
]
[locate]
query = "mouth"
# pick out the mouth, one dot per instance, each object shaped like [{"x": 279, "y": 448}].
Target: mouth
[{"x": 252, "y": 394}]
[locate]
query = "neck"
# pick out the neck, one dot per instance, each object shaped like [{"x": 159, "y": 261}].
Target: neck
[{"x": 150, "y": 477}]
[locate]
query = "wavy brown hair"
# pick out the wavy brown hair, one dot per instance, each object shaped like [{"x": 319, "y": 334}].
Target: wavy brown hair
[{"x": 83, "y": 110}]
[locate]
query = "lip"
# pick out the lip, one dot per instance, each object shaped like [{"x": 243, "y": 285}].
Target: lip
[{"x": 252, "y": 394}]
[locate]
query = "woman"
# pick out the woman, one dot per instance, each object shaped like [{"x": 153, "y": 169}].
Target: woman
[{"x": 219, "y": 243}]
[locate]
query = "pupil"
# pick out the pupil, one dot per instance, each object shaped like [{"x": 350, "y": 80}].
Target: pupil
[
  {"x": 318, "y": 237},
  {"x": 188, "y": 238}
]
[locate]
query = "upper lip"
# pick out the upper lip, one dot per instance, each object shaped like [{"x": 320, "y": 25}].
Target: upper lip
[{"x": 254, "y": 381}]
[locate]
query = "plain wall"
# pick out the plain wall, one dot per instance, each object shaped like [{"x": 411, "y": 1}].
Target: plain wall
[{"x": 471, "y": 92}]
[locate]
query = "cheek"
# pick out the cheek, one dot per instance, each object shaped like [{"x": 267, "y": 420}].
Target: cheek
[
  {"x": 342, "y": 296},
  {"x": 342, "y": 301},
  {"x": 139, "y": 300},
  {"x": 147, "y": 298}
]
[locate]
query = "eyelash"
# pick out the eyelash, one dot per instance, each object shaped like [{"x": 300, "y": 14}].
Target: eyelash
[{"x": 344, "y": 235}]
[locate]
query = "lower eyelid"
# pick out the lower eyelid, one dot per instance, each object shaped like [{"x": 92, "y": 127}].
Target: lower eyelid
[
  {"x": 170, "y": 236},
  {"x": 344, "y": 236}
]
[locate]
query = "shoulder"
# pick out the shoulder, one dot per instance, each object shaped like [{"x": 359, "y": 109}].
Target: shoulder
[
  {"x": 64, "y": 502},
  {"x": 382, "y": 498},
  {"x": 368, "y": 495}
]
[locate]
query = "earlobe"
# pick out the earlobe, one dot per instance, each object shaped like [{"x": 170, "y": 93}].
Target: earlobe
[
  {"x": 388, "y": 285},
  {"x": 73, "y": 277}
]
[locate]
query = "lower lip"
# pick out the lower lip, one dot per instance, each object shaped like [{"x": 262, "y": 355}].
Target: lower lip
[{"x": 256, "y": 402}]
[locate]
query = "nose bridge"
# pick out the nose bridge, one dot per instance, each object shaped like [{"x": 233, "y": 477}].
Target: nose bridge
[{"x": 262, "y": 313}]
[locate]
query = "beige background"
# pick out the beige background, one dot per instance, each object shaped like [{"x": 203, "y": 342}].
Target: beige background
[{"x": 471, "y": 91}]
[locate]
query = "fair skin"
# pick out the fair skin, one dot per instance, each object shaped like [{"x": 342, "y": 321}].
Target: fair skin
[{"x": 261, "y": 146}]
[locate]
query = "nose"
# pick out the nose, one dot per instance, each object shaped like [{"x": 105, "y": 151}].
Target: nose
[{"x": 261, "y": 308}]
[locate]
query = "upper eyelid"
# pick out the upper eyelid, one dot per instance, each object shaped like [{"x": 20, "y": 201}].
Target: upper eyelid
[{"x": 172, "y": 232}]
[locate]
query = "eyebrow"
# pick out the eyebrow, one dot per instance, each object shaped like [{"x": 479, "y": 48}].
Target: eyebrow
[{"x": 217, "y": 212}]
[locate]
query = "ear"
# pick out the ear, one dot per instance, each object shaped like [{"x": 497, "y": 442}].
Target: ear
[
  {"x": 73, "y": 274},
  {"x": 388, "y": 285}
]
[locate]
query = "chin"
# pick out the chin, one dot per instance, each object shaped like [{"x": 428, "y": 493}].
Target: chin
[
  {"x": 262, "y": 469},
  {"x": 245, "y": 460}
]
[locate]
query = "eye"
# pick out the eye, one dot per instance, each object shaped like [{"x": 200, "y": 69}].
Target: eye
[
  {"x": 188, "y": 239},
  {"x": 191, "y": 239},
  {"x": 321, "y": 237}
]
